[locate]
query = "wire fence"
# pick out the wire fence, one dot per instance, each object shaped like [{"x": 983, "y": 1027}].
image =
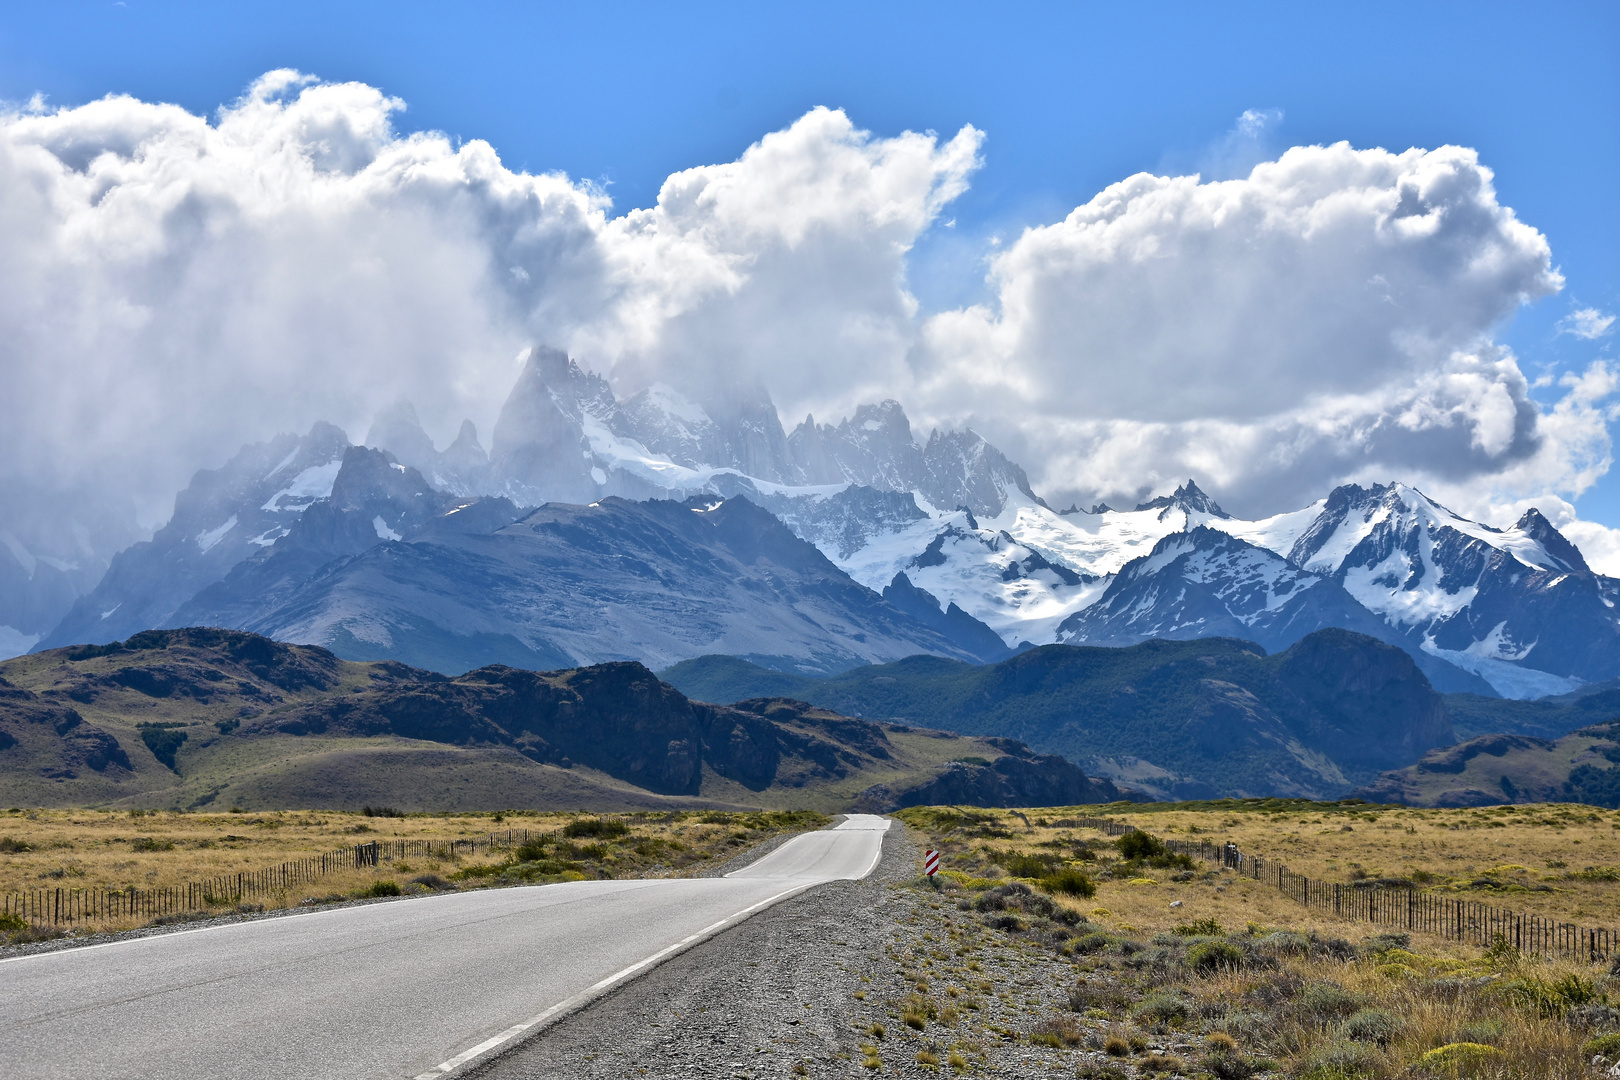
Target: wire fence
[
  {"x": 1398, "y": 906},
  {"x": 55, "y": 907}
]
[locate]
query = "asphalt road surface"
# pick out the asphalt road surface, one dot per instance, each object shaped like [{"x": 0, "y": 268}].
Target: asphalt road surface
[{"x": 413, "y": 988}]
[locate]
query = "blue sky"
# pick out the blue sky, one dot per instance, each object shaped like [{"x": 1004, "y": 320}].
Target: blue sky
[{"x": 1072, "y": 97}]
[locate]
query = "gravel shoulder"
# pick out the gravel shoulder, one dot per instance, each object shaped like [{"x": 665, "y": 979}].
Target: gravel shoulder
[{"x": 816, "y": 986}]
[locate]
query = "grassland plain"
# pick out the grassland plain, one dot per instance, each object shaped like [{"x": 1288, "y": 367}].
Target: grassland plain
[
  {"x": 86, "y": 849},
  {"x": 1235, "y": 979}
]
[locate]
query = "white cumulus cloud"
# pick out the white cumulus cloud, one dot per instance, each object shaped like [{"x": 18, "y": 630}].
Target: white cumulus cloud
[
  {"x": 1589, "y": 323},
  {"x": 1327, "y": 317},
  {"x": 173, "y": 285}
]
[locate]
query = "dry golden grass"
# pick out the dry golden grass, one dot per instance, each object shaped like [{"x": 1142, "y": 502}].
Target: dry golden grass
[
  {"x": 1531, "y": 853},
  {"x": 94, "y": 849},
  {"x": 1328, "y": 1005}
]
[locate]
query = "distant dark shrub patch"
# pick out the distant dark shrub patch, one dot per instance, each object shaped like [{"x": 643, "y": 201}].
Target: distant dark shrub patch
[
  {"x": 164, "y": 742},
  {"x": 603, "y": 828},
  {"x": 381, "y": 811}
]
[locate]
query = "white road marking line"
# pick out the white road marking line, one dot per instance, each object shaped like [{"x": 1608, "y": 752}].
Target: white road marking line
[{"x": 584, "y": 996}]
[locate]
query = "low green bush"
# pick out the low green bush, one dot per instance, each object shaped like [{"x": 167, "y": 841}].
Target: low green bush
[
  {"x": 1327, "y": 999},
  {"x": 1139, "y": 845},
  {"x": 600, "y": 828},
  {"x": 1070, "y": 882},
  {"x": 1372, "y": 1026},
  {"x": 382, "y": 888},
  {"x": 1198, "y": 928},
  {"x": 1211, "y": 956},
  {"x": 1163, "y": 1006}
]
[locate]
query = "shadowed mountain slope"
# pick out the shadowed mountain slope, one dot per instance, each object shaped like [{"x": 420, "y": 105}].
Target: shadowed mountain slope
[{"x": 1196, "y": 719}]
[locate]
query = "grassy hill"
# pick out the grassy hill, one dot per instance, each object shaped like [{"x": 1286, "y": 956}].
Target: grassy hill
[
  {"x": 217, "y": 719},
  {"x": 1499, "y": 769}
]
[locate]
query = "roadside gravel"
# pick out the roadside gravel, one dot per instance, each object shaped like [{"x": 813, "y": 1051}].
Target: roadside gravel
[{"x": 797, "y": 990}]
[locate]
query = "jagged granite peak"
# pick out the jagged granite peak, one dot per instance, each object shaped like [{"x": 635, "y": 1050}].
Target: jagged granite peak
[
  {"x": 959, "y": 468},
  {"x": 846, "y": 521},
  {"x": 375, "y": 500},
  {"x": 398, "y": 430},
  {"x": 1207, "y": 583},
  {"x": 1189, "y": 497},
  {"x": 1563, "y": 554},
  {"x": 539, "y": 448},
  {"x": 951, "y": 622},
  {"x": 224, "y": 516},
  {"x": 1517, "y": 606},
  {"x": 874, "y": 447},
  {"x": 755, "y": 442},
  {"x": 668, "y": 423},
  {"x": 463, "y": 467}
]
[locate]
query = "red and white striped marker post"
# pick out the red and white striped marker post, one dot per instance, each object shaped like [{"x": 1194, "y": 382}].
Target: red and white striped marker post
[{"x": 931, "y": 865}]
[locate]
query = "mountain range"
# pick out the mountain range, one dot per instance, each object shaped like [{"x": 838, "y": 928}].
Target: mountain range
[
  {"x": 215, "y": 718},
  {"x": 1208, "y": 718},
  {"x": 660, "y": 528}
]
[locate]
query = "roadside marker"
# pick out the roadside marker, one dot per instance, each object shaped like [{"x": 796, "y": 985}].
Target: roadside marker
[{"x": 931, "y": 862}]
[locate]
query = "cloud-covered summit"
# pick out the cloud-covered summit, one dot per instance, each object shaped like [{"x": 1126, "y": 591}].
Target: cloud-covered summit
[{"x": 172, "y": 286}]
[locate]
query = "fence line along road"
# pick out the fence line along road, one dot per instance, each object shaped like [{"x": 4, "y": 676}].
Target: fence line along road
[
  {"x": 1398, "y": 906},
  {"x": 56, "y": 906}
]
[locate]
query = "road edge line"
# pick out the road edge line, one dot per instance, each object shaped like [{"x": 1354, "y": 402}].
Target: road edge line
[
  {"x": 495, "y": 1045},
  {"x": 498, "y": 1044}
]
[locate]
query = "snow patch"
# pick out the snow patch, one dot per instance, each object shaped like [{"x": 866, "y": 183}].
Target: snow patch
[
  {"x": 24, "y": 557},
  {"x": 206, "y": 540},
  {"x": 286, "y": 461},
  {"x": 313, "y": 483},
  {"x": 383, "y": 531},
  {"x": 1506, "y": 678}
]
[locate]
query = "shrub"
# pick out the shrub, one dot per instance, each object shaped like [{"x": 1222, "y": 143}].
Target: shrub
[
  {"x": 8, "y": 846},
  {"x": 381, "y": 811},
  {"x": 1070, "y": 882},
  {"x": 532, "y": 850},
  {"x": 1488, "y": 1030},
  {"x": 1329, "y": 999},
  {"x": 147, "y": 843},
  {"x": 1338, "y": 1060},
  {"x": 1286, "y": 942},
  {"x": 1225, "y": 1064},
  {"x": 1139, "y": 845},
  {"x": 1026, "y": 866},
  {"x": 1161, "y": 1006},
  {"x": 1211, "y": 956},
  {"x": 1372, "y": 1026},
  {"x": 600, "y": 828},
  {"x": 1198, "y": 928},
  {"x": 1056, "y": 1032},
  {"x": 1090, "y": 943},
  {"x": 1604, "y": 1046},
  {"x": 1552, "y": 998},
  {"x": 431, "y": 881},
  {"x": 1382, "y": 943},
  {"x": 382, "y": 888},
  {"x": 1116, "y": 1046},
  {"x": 1459, "y": 1057}
]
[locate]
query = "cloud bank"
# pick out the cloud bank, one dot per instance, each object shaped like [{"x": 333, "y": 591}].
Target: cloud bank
[{"x": 174, "y": 285}]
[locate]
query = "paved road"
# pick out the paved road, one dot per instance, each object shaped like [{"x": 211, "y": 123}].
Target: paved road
[{"x": 388, "y": 991}]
